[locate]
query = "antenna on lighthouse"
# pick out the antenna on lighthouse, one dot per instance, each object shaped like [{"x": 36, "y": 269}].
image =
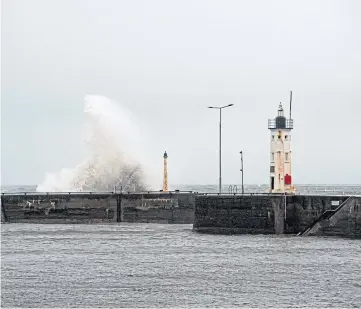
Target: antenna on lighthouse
[{"x": 291, "y": 105}]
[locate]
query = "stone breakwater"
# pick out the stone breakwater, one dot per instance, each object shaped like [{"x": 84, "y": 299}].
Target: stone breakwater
[
  {"x": 209, "y": 213},
  {"x": 158, "y": 207},
  {"x": 279, "y": 214}
]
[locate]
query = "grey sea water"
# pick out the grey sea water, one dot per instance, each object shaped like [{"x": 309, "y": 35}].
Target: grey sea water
[
  {"x": 320, "y": 189},
  {"x": 154, "y": 265}
]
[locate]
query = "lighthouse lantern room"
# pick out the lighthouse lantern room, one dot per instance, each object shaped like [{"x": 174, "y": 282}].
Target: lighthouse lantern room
[{"x": 281, "y": 154}]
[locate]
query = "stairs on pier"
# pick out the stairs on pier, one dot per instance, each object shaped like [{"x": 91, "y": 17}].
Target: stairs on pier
[{"x": 332, "y": 222}]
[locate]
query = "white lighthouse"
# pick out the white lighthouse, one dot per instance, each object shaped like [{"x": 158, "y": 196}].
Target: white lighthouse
[{"x": 281, "y": 153}]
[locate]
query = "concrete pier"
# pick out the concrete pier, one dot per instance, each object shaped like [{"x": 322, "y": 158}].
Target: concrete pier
[
  {"x": 161, "y": 207},
  {"x": 278, "y": 214},
  {"x": 210, "y": 213}
]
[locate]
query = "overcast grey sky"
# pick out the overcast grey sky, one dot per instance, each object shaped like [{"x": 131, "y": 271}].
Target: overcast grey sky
[{"x": 166, "y": 61}]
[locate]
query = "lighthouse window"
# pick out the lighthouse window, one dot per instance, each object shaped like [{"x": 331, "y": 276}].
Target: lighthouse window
[
  {"x": 272, "y": 156},
  {"x": 279, "y": 136},
  {"x": 286, "y": 136},
  {"x": 286, "y": 156},
  {"x": 273, "y": 137}
]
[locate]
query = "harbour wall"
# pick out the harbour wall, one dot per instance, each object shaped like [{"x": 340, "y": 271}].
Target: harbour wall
[
  {"x": 172, "y": 207},
  {"x": 277, "y": 214},
  {"x": 169, "y": 207},
  {"x": 209, "y": 213}
]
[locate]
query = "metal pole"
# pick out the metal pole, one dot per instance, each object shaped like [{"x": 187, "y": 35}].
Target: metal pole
[
  {"x": 241, "y": 152},
  {"x": 220, "y": 150},
  {"x": 242, "y": 171},
  {"x": 220, "y": 143}
]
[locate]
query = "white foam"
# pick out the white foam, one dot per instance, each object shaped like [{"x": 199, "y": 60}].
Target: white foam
[{"x": 114, "y": 153}]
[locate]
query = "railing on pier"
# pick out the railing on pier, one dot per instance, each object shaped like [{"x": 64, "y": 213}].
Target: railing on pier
[
  {"x": 92, "y": 192},
  {"x": 232, "y": 190}
]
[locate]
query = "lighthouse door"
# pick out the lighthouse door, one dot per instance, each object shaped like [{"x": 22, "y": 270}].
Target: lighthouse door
[{"x": 272, "y": 183}]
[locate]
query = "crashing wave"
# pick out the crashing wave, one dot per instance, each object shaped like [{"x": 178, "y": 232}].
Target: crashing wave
[{"x": 114, "y": 155}]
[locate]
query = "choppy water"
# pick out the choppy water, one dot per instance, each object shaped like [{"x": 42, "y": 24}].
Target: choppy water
[
  {"x": 154, "y": 265},
  {"x": 231, "y": 188}
]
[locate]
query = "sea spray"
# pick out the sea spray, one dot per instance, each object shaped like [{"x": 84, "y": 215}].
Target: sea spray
[{"x": 114, "y": 153}]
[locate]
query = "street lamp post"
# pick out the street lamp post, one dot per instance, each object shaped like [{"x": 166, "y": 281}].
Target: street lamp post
[
  {"x": 241, "y": 152},
  {"x": 220, "y": 143}
]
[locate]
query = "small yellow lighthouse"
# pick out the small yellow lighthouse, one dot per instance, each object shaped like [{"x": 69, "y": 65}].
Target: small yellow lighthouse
[{"x": 165, "y": 175}]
